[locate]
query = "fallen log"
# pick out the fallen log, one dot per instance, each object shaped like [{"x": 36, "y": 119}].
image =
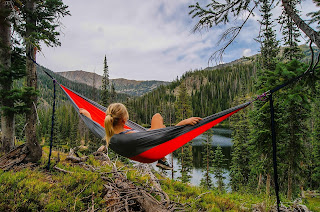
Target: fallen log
[{"x": 13, "y": 158}]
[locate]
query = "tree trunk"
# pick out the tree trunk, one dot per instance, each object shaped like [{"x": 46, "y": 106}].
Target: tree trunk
[
  {"x": 268, "y": 183},
  {"x": 7, "y": 119},
  {"x": 259, "y": 182},
  {"x": 302, "y": 192},
  {"x": 311, "y": 33},
  {"x": 289, "y": 194},
  {"x": 32, "y": 144}
]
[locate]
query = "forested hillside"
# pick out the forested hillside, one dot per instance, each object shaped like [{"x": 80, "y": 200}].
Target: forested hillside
[{"x": 210, "y": 91}]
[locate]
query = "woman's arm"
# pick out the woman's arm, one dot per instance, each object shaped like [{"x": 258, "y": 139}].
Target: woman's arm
[
  {"x": 85, "y": 113},
  {"x": 190, "y": 121}
]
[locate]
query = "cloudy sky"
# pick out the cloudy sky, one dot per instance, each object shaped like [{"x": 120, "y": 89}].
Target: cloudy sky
[{"x": 142, "y": 39}]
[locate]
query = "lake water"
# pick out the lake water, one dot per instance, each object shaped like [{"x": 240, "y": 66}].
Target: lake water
[{"x": 221, "y": 137}]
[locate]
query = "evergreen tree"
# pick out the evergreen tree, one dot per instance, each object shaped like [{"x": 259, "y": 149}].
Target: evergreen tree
[
  {"x": 315, "y": 148},
  {"x": 291, "y": 34},
  {"x": 183, "y": 104},
  {"x": 294, "y": 108},
  {"x": 218, "y": 171},
  {"x": 186, "y": 162},
  {"x": 105, "y": 84},
  {"x": 269, "y": 45},
  {"x": 261, "y": 142},
  {"x": 240, "y": 156},
  {"x": 208, "y": 157},
  {"x": 183, "y": 110}
]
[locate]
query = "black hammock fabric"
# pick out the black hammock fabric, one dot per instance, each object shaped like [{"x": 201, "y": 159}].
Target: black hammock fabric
[{"x": 145, "y": 146}]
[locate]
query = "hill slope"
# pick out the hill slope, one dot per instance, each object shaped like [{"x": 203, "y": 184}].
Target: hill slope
[{"x": 131, "y": 87}]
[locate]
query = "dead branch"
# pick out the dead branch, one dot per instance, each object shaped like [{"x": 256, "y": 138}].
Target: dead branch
[
  {"x": 146, "y": 168},
  {"x": 74, "y": 157},
  {"x": 101, "y": 156},
  {"x": 62, "y": 170}
]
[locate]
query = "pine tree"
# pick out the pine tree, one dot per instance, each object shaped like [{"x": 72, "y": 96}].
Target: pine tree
[
  {"x": 240, "y": 169},
  {"x": 183, "y": 110},
  {"x": 294, "y": 106},
  {"x": 207, "y": 156},
  {"x": 186, "y": 162},
  {"x": 269, "y": 45},
  {"x": 218, "y": 171},
  {"x": 315, "y": 148},
  {"x": 261, "y": 142},
  {"x": 291, "y": 34},
  {"x": 183, "y": 104},
  {"x": 105, "y": 96}
]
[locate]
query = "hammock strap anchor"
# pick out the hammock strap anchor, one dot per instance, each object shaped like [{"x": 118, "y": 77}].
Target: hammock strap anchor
[{"x": 52, "y": 120}]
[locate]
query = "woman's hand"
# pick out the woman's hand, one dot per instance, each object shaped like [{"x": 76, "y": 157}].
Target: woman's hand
[{"x": 190, "y": 121}]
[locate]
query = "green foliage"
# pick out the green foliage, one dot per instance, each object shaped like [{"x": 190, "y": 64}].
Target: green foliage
[
  {"x": 218, "y": 171},
  {"x": 183, "y": 111},
  {"x": 294, "y": 106},
  {"x": 211, "y": 91},
  {"x": 269, "y": 45},
  {"x": 207, "y": 157},
  {"x": 314, "y": 149},
  {"x": 217, "y": 13},
  {"x": 291, "y": 34},
  {"x": 315, "y": 16},
  {"x": 240, "y": 169},
  {"x": 46, "y": 15},
  {"x": 183, "y": 107},
  {"x": 105, "y": 93},
  {"x": 14, "y": 97}
]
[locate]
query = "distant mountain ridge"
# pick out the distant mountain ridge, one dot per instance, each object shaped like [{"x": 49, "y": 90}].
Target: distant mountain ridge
[{"x": 131, "y": 87}]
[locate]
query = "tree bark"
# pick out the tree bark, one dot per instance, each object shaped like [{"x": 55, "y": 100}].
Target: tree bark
[
  {"x": 31, "y": 80},
  {"x": 311, "y": 33},
  {"x": 7, "y": 119},
  {"x": 268, "y": 183},
  {"x": 289, "y": 194},
  {"x": 259, "y": 182}
]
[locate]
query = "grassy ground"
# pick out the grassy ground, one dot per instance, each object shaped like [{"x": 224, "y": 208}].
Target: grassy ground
[{"x": 36, "y": 189}]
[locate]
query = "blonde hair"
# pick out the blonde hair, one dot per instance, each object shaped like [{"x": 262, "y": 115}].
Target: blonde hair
[{"x": 115, "y": 113}]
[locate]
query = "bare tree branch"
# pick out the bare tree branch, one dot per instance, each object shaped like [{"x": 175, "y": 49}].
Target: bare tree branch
[{"x": 230, "y": 35}]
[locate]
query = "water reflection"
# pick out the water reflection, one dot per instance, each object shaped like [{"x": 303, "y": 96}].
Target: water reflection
[
  {"x": 197, "y": 156},
  {"x": 221, "y": 137}
]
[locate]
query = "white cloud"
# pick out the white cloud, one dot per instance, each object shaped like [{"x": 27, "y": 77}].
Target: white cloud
[
  {"x": 141, "y": 39},
  {"x": 246, "y": 53}
]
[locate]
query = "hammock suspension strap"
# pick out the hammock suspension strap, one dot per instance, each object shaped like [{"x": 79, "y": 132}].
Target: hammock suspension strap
[{"x": 52, "y": 121}]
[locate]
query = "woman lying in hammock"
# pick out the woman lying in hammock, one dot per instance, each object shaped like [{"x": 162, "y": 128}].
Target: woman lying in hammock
[{"x": 117, "y": 116}]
